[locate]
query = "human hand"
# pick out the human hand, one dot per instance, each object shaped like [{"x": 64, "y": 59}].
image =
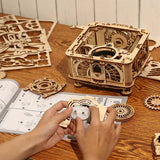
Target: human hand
[
  {"x": 98, "y": 141},
  {"x": 48, "y": 131}
]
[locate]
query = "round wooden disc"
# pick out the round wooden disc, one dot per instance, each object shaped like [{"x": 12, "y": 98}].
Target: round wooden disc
[{"x": 124, "y": 112}]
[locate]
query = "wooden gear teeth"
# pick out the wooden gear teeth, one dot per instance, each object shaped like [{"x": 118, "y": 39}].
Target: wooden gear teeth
[
  {"x": 45, "y": 86},
  {"x": 152, "y": 102},
  {"x": 124, "y": 112}
]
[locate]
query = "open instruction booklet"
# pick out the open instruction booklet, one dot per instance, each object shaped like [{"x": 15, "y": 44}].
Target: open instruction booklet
[{"x": 20, "y": 111}]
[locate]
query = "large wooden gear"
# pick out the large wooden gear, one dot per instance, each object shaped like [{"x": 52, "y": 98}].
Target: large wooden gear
[
  {"x": 124, "y": 112},
  {"x": 152, "y": 102},
  {"x": 109, "y": 56},
  {"x": 46, "y": 87}
]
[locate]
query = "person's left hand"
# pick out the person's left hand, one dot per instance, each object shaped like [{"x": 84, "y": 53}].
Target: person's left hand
[{"x": 48, "y": 131}]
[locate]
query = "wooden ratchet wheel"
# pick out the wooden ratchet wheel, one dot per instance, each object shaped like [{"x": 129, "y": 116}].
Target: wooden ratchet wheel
[
  {"x": 152, "y": 102},
  {"x": 124, "y": 112}
]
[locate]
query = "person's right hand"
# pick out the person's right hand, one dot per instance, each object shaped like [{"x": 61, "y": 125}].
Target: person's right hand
[{"x": 98, "y": 141}]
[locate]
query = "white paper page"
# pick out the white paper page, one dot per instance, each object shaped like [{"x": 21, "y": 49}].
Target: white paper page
[
  {"x": 20, "y": 121},
  {"x": 26, "y": 111},
  {"x": 8, "y": 89}
]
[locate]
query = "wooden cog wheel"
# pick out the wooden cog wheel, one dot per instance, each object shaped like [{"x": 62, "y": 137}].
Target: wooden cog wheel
[
  {"x": 124, "y": 112},
  {"x": 44, "y": 86},
  {"x": 152, "y": 102}
]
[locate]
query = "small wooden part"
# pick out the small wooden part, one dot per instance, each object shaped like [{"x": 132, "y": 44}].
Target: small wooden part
[
  {"x": 152, "y": 102},
  {"x": 152, "y": 70},
  {"x": 156, "y": 146},
  {"x": 77, "y": 26},
  {"x": 2, "y": 74},
  {"x": 51, "y": 29},
  {"x": 109, "y": 56},
  {"x": 124, "y": 112},
  {"x": 46, "y": 87},
  {"x": 82, "y": 109}
]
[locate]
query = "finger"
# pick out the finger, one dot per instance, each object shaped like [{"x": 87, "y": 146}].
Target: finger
[
  {"x": 72, "y": 126},
  {"x": 95, "y": 117},
  {"x": 112, "y": 113},
  {"x": 63, "y": 115},
  {"x": 60, "y": 105},
  {"x": 79, "y": 127},
  {"x": 118, "y": 129}
]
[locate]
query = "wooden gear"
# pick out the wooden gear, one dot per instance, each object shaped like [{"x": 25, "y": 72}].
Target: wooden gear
[
  {"x": 45, "y": 86},
  {"x": 108, "y": 55},
  {"x": 124, "y": 112},
  {"x": 152, "y": 102}
]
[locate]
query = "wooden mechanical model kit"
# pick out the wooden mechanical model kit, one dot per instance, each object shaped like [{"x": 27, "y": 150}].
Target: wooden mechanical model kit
[
  {"x": 156, "y": 146},
  {"x": 108, "y": 55},
  {"x": 103, "y": 55},
  {"x": 23, "y": 44}
]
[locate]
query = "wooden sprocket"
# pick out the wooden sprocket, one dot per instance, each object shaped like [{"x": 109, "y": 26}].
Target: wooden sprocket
[
  {"x": 44, "y": 86},
  {"x": 152, "y": 102},
  {"x": 124, "y": 112}
]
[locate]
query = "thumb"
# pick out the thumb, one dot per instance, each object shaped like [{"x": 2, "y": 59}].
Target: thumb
[
  {"x": 79, "y": 127},
  {"x": 60, "y": 117}
]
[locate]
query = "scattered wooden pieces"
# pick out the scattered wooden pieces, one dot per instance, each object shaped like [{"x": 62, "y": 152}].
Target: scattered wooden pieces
[
  {"x": 152, "y": 70},
  {"x": 23, "y": 44},
  {"x": 46, "y": 87}
]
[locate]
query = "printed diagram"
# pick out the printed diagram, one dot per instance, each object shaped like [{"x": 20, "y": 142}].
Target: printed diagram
[{"x": 23, "y": 44}]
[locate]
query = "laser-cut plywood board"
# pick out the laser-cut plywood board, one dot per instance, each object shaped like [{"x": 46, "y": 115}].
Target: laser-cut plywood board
[{"x": 23, "y": 44}]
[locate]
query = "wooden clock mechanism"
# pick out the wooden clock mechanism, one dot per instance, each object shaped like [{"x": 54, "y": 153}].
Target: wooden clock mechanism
[{"x": 109, "y": 56}]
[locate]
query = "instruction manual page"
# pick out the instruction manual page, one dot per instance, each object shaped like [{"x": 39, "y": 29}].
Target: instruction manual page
[{"x": 20, "y": 111}]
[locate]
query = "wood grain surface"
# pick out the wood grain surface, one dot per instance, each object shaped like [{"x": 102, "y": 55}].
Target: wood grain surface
[{"x": 136, "y": 136}]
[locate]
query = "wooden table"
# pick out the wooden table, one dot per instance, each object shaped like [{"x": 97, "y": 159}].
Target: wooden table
[{"x": 136, "y": 137}]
